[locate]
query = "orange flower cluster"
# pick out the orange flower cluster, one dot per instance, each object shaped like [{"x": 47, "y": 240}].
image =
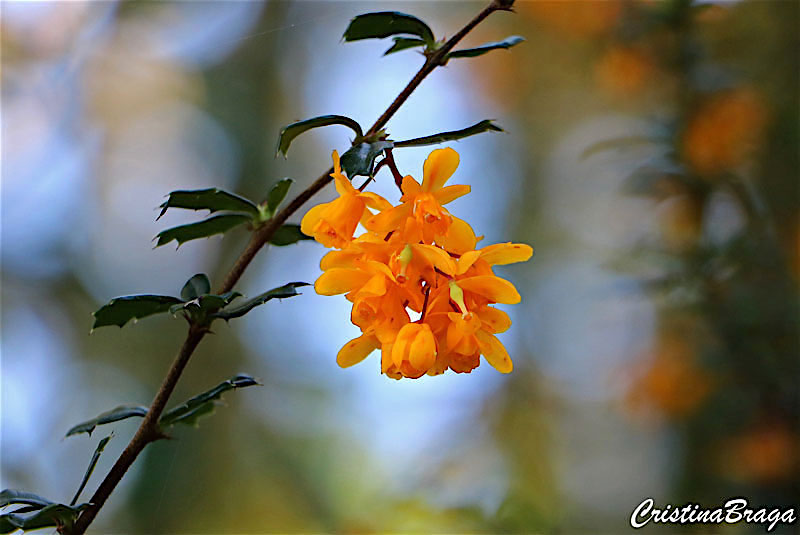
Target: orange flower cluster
[{"x": 414, "y": 258}]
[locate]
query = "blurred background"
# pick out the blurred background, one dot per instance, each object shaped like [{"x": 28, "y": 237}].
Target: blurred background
[{"x": 650, "y": 157}]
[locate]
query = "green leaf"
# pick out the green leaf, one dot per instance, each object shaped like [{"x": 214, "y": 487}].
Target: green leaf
[
  {"x": 282, "y": 292},
  {"x": 359, "y": 159},
  {"x": 54, "y": 515},
  {"x": 278, "y": 193},
  {"x": 218, "y": 224},
  {"x": 403, "y": 43},
  {"x": 114, "y": 415},
  {"x": 443, "y": 137},
  {"x": 95, "y": 457},
  {"x": 191, "y": 410},
  {"x": 19, "y": 497},
  {"x": 387, "y": 23},
  {"x": 289, "y": 132},
  {"x": 195, "y": 287},
  {"x": 120, "y": 310},
  {"x": 506, "y": 43},
  {"x": 205, "y": 303},
  {"x": 288, "y": 234},
  {"x": 211, "y": 199}
]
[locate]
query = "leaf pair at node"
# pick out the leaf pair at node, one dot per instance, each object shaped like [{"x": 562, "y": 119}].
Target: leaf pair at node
[
  {"x": 234, "y": 211},
  {"x": 185, "y": 413},
  {"x": 196, "y": 301},
  {"x": 359, "y": 159},
  {"x": 408, "y": 31},
  {"x": 35, "y": 512}
]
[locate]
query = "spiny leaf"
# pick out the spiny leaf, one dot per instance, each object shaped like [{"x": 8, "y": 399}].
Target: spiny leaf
[
  {"x": 205, "y": 303},
  {"x": 14, "y": 497},
  {"x": 506, "y": 43},
  {"x": 278, "y": 193},
  {"x": 211, "y": 199},
  {"x": 120, "y": 310},
  {"x": 403, "y": 43},
  {"x": 359, "y": 159},
  {"x": 386, "y": 23},
  {"x": 53, "y": 515},
  {"x": 218, "y": 224},
  {"x": 189, "y": 411},
  {"x": 114, "y": 415},
  {"x": 282, "y": 292},
  {"x": 195, "y": 287},
  {"x": 291, "y": 131},
  {"x": 288, "y": 234},
  {"x": 443, "y": 137},
  {"x": 95, "y": 457}
]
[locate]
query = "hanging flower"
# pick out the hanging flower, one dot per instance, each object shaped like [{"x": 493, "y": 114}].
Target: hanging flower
[{"x": 415, "y": 259}]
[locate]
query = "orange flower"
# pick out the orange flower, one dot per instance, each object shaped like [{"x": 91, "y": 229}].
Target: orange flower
[
  {"x": 424, "y": 204},
  {"x": 415, "y": 258},
  {"x": 333, "y": 224},
  {"x": 412, "y": 353}
]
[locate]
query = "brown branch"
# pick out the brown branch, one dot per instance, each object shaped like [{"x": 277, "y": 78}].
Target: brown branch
[{"x": 149, "y": 430}]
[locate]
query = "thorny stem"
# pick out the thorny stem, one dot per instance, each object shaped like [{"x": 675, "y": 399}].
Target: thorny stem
[{"x": 149, "y": 430}]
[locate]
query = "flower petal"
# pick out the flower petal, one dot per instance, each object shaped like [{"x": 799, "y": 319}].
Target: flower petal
[
  {"x": 494, "y": 352},
  {"x": 438, "y": 168},
  {"x": 338, "y": 259},
  {"x": 460, "y": 237},
  {"x": 357, "y": 350},
  {"x": 340, "y": 280},
  {"x": 466, "y": 261},
  {"x": 506, "y": 253},
  {"x": 496, "y": 320},
  {"x": 493, "y": 288},
  {"x": 451, "y": 193},
  {"x": 376, "y": 286},
  {"x": 433, "y": 257},
  {"x": 389, "y": 219},
  {"x": 409, "y": 187},
  {"x": 422, "y": 351},
  {"x": 343, "y": 186},
  {"x": 311, "y": 219},
  {"x": 375, "y": 201}
]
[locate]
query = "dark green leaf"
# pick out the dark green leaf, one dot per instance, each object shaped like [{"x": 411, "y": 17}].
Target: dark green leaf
[
  {"x": 54, "y": 515},
  {"x": 282, "y": 292},
  {"x": 195, "y": 287},
  {"x": 288, "y": 234},
  {"x": 191, "y": 410},
  {"x": 506, "y": 43},
  {"x": 387, "y": 23},
  {"x": 218, "y": 224},
  {"x": 211, "y": 199},
  {"x": 120, "y": 310},
  {"x": 206, "y": 303},
  {"x": 278, "y": 193},
  {"x": 359, "y": 159},
  {"x": 293, "y": 130},
  {"x": 403, "y": 43},
  {"x": 114, "y": 415},
  {"x": 14, "y": 497},
  {"x": 95, "y": 457},
  {"x": 478, "y": 128}
]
